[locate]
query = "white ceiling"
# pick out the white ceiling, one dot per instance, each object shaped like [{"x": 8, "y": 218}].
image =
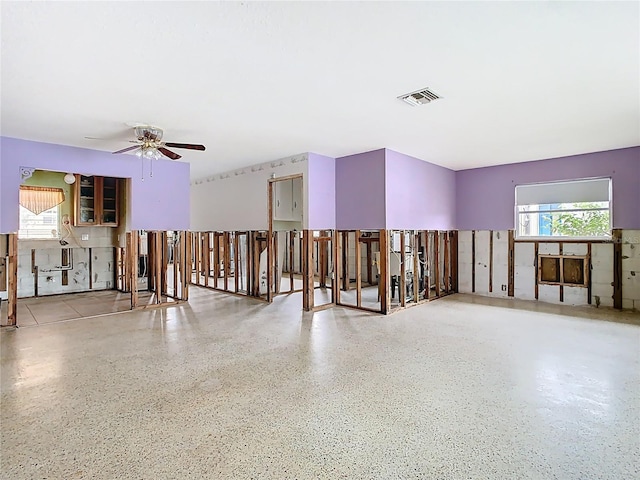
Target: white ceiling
[{"x": 260, "y": 81}]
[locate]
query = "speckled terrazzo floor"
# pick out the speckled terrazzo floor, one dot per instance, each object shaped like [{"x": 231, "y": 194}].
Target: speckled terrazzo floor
[{"x": 229, "y": 387}]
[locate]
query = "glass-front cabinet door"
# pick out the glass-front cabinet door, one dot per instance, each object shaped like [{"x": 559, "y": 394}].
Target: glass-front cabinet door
[
  {"x": 86, "y": 201},
  {"x": 109, "y": 201},
  {"x": 96, "y": 201}
]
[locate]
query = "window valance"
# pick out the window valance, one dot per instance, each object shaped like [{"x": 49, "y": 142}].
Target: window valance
[{"x": 39, "y": 199}]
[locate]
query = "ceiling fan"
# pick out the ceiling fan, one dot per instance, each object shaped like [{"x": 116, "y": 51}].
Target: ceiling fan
[{"x": 149, "y": 144}]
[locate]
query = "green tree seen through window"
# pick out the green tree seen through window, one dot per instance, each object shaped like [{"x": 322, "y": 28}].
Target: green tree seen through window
[{"x": 586, "y": 223}]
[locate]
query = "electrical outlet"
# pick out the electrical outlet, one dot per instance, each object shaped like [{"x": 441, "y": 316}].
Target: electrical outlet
[
  {"x": 504, "y": 288},
  {"x": 85, "y": 236}
]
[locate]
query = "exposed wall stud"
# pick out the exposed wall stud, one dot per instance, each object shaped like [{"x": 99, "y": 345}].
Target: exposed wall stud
[
  {"x": 617, "y": 268},
  {"x": 511, "y": 265}
]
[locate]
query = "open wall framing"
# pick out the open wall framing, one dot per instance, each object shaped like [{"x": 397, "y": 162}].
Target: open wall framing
[
  {"x": 151, "y": 263},
  {"x": 599, "y": 272}
]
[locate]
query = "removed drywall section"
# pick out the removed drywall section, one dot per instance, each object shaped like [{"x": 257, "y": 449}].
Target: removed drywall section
[
  {"x": 526, "y": 271},
  {"x": 602, "y": 274},
  {"x": 465, "y": 263},
  {"x": 42, "y": 272},
  {"x": 485, "y": 197},
  {"x": 238, "y": 200}
]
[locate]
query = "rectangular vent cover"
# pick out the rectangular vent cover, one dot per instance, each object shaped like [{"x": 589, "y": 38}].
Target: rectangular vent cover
[{"x": 420, "y": 97}]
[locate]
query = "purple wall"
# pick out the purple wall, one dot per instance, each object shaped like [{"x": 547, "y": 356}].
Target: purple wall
[
  {"x": 158, "y": 203},
  {"x": 485, "y": 197},
  {"x": 360, "y": 187},
  {"x": 321, "y": 181},
  {"x": 419, "y": 194}
]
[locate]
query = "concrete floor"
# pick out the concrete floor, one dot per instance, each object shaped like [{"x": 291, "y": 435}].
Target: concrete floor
[
  {"x": 73, "y": 306},
  {"x": 229, "y": 387}
]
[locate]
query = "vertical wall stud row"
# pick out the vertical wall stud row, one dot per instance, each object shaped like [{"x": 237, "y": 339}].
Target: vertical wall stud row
[
  {"x": 157, "y": 236},
  {"x": 473, "y": 261},
  {"x": 490, "y": 261},
  {"x": 384, "y": 272},
  {"x": 617, "y": 268},
  {"x": 454, "y": 260},
  {"x": 511, "y": 265},
  {"x": 436, "y": 255},
  {"x": 358, "y": 270},
  {"x": 560, "y": 251},
  {"x": 12, "y": 307},
  {"x": 447, "y": 263},
  {"x": 536, "y": 270}
]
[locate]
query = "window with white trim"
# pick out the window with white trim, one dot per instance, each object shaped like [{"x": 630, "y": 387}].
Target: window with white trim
[
  {"x": 573, "y": 209},
  {"x": 41, "y": 226}
]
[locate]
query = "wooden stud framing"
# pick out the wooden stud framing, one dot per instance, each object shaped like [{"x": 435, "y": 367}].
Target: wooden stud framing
[
  {"x": 511, "y": 266},
  {"x": 196, "y": 256},
  {"x": 429, "y": 272},
  {"x": 157, "y": 236},
  {"x": 589, "y": 292},
  {"x": 269, "y": 242},
  {"x": 90, "y": 265},
  {"x": 454, "y": 261},
  {"x": 207, "y": 258},
  {"x": 132, "y": 242},
  {"x": 490, "y": 261},
  {"x": 165, "y": 262},
  {"x": 617, "y": 268},
  {"x": 345, "y": 261},
  {"x": 226, "y": 260},
  {"x": 369, "y": 264},
  {"x": 216, "y": 257},
  {"x": 34, "y": 271},
  {"x": 416, "y": 267},
  {"x": 358, "y": 269},
  {"x": 402, "y": 288},
  {"x": 447, "y": 264},
  {"x": 291, "y": 236},
  {"x": 537, "y": 268},
  {"x": 175, "y": 248},
  {"x": 337, "y": 266},
  {"x": 12, "y": 272},
  {"x": 236, "y": 256},
  {"x": 436, "y": 254},
  {"x": 384, "y": 272},
  {"x": 473, "y": 261},
  {"x": 276, "y": 262},
  {"x": 560, "y": 248},
  {"x": 308, "y": 274}
]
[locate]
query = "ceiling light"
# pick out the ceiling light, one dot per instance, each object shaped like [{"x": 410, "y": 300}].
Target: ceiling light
[{"x": 69, "y": 179}]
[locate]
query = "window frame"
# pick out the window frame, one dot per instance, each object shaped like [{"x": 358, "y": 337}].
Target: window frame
[{"x": 562, "y": 238}]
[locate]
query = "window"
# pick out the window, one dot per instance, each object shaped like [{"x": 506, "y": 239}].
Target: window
[
  {"x": 39, "y": 212},
  {"x": 44, "y": 225},
  {"x": 575, "y": 209}
]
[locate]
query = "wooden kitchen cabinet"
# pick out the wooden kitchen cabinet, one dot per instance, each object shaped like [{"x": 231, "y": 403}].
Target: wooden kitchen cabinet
[{"x": 96, "y": 201}]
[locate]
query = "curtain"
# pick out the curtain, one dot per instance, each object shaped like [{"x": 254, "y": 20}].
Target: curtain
[{"x": 39, "y": 199}]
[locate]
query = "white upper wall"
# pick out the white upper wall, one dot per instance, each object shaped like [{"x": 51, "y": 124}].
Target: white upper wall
[{"x": 238, "y": 200}]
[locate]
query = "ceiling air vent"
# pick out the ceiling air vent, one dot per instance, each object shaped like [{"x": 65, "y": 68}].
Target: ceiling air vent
[{"x": 420, "y": 97}]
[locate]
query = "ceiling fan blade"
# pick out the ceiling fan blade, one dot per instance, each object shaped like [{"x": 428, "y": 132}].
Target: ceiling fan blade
[
  {"x": 128, "y": 149},
  {"x": 169, "y": 153},
  {"x": 189, "y": 146}
]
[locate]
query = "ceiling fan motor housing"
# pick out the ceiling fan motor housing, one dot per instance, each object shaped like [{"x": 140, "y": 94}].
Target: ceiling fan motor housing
[{"x": 149, "y": 133}]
